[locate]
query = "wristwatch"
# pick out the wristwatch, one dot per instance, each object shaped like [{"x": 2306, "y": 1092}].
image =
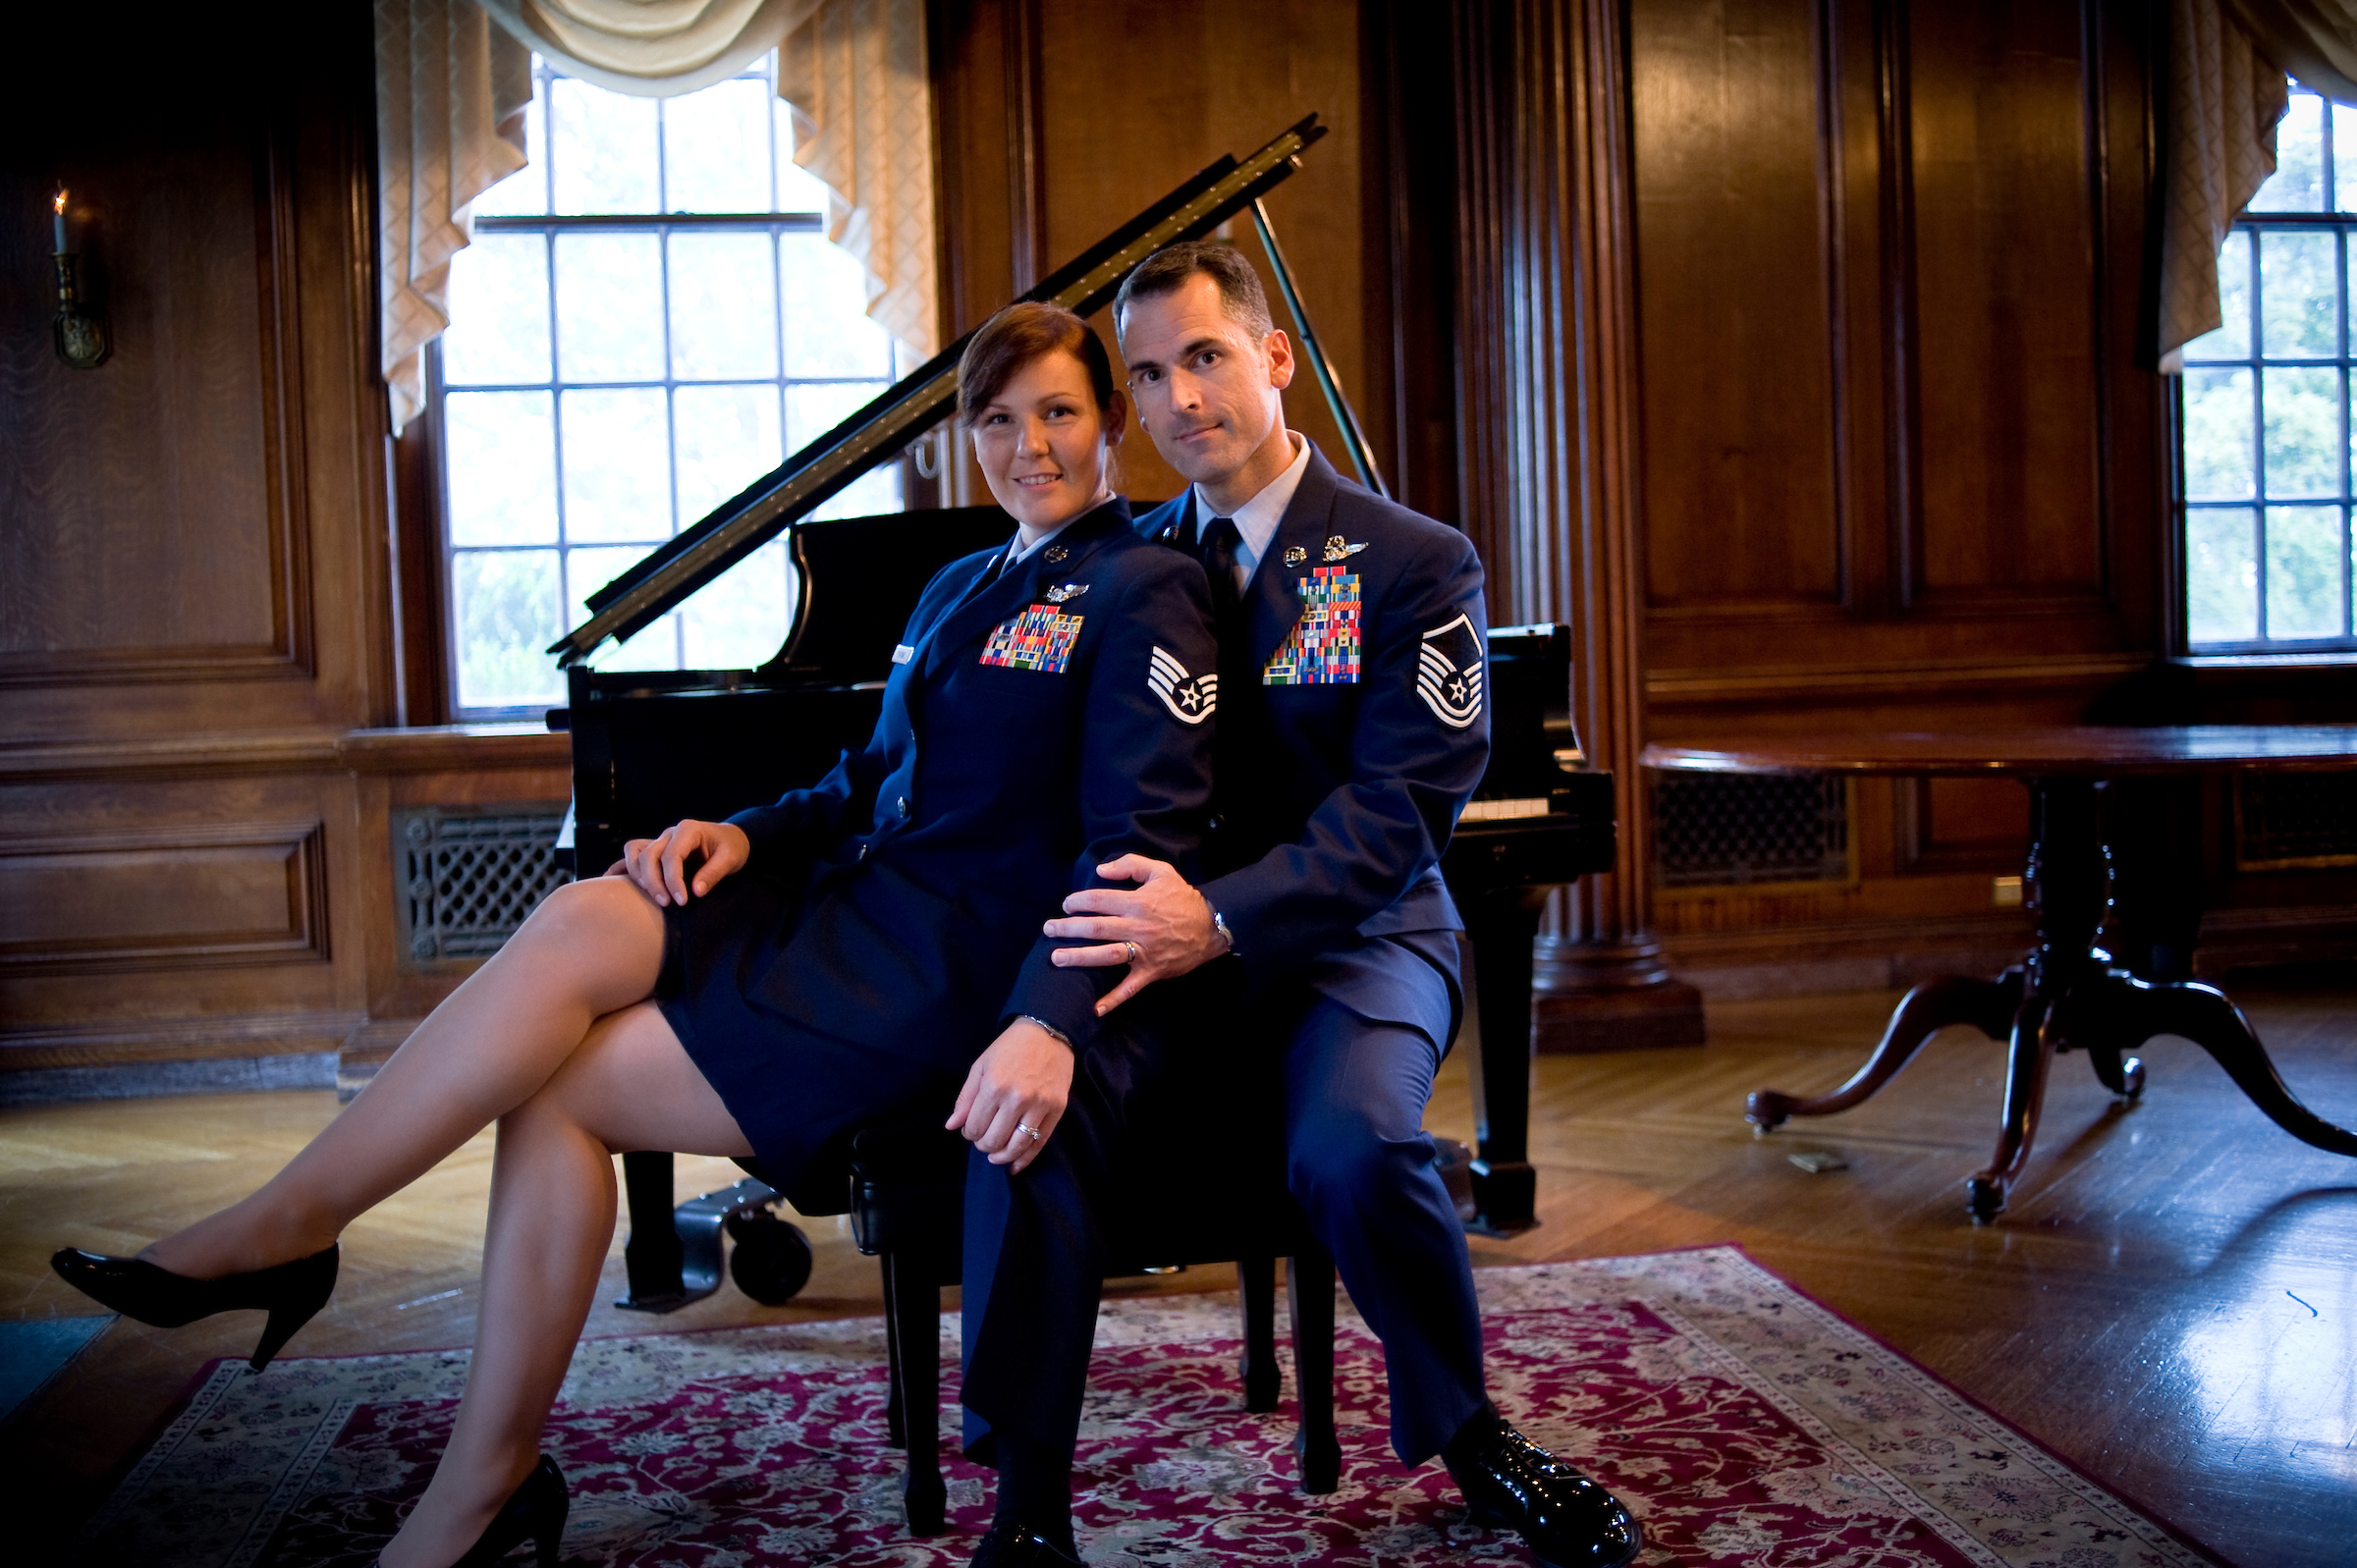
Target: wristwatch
[
  {"x": 1050, "y": 1029},
  {"x": 1218, "y": 923}
]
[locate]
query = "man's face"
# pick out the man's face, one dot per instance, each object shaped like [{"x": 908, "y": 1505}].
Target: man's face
[{"x": 1204, "y": 386}]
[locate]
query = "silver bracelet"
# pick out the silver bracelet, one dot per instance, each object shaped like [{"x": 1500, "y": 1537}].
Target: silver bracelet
[{"x": 1052, "y": 1030}]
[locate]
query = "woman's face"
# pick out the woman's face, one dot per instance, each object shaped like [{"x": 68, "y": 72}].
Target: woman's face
[{"x": 1042, "y": 441}]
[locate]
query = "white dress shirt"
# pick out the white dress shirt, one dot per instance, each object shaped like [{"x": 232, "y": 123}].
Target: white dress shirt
[{"x": 1256, "y": 520}]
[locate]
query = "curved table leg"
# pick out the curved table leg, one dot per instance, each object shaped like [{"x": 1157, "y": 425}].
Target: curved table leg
[
  {"x": 2033, "y": 1052},
  {"x": 2204, "y": 1015},
  {"x": 1988, "y": 1005}
]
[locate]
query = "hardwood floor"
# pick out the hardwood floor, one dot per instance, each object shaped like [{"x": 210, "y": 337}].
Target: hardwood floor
[{"x": 2171, "y": 1301}]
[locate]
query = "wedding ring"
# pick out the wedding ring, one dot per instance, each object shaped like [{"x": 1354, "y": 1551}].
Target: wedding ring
[
  {"x": 1134, "y": 955},
  {"x": 1027, "y": 1129}
]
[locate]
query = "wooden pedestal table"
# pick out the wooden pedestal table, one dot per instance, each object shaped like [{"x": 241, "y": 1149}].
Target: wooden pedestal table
[{"x": 2087, "y": 855}]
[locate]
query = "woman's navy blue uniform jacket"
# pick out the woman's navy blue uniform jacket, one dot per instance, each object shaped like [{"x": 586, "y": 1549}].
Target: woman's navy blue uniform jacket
[{"x": 887, "y": 926}]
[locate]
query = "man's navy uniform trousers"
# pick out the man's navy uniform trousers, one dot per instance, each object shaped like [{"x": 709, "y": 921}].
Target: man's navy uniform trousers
[{"x": 1351, "y": 729}]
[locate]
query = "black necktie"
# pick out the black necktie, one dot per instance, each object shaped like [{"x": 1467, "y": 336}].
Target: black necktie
[{"x": 1219, "y": 539}]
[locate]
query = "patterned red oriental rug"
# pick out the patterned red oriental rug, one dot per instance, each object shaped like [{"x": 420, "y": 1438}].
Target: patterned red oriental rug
[{"x": 1746, "y": 1425}]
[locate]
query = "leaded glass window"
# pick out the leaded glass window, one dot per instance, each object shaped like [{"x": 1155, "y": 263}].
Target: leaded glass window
[
  {"x": 650, "y": 318},
  {"x": 2266, "y": 413}
]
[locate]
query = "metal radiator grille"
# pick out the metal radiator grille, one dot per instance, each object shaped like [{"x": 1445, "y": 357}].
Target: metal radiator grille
[
  {"x": 1735, "y": 829},
  {"x": 465, "y": 880},
  {"x": 2288, "y": 819}
]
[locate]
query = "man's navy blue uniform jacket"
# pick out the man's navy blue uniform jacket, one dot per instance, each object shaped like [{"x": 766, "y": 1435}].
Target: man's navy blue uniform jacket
[{"x": 1354, "y": 725}]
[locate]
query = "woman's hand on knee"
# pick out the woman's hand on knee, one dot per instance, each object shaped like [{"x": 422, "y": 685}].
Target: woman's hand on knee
[
  {"x": 658, "y": 865},
  {"x": 1014, "y": 1095}
]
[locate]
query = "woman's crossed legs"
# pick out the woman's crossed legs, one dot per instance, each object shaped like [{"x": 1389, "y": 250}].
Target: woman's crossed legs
[{"x": 554, "y": 1040}]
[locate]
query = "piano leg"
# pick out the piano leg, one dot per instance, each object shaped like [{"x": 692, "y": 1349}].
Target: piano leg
[{"x": 1499, "y": 929}]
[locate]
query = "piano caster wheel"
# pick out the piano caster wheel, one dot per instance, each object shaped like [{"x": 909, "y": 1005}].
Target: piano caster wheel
[
  {"x": 771, "y": 1261},
  {"x": 1985, "y": 1197},
  {"x": 2132, "y": 1075}
]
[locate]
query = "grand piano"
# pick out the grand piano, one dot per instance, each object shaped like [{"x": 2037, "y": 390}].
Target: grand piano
[{"x": 649, "y": 750}]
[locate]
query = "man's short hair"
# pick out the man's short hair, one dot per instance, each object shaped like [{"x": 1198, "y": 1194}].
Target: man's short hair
[{"x": 1242, "y": 297}]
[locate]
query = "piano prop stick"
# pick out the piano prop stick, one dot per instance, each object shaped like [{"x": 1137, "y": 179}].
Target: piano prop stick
[
  {"x": 651, "y": 747},
  {"x": 1362, "y": 457}
]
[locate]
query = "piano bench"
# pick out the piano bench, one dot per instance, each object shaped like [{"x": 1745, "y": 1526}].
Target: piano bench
[
  {"x": 907, "y": 1203},
  {"x": 904, "y": 1185}
]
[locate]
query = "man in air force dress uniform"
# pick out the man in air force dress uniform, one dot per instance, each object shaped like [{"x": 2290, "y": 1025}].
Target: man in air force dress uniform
[{"x": 1351, "y": 730}]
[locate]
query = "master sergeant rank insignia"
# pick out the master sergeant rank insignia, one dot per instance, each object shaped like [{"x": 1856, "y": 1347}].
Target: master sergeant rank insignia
[
  {"x": 1038, "y": 639},
  {"x": 1448, "y": 671},
  {"x": 1190, "y": 698}
]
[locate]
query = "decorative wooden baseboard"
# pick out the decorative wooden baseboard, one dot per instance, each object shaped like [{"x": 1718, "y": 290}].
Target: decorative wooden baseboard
[
  {"x": 2242, "y": 938},
  {"x": 367, "y": 1048},
  {"x": 1858, "y": 955},
  {"x": 143, "y": 1080},
  {"x": 173, "y": 1040}
]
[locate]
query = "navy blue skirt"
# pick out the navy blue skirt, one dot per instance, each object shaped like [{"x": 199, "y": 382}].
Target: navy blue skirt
[{"x": 797, "y": 1092}]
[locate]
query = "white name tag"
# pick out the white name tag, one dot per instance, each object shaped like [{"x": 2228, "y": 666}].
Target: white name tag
[{"x": 902, "y": 653}]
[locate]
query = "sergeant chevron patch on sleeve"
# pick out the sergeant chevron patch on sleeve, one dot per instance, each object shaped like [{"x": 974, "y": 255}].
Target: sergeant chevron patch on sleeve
[
  {"x": 1190, "y": 698},
  {"x": 1449, "y": 672}
]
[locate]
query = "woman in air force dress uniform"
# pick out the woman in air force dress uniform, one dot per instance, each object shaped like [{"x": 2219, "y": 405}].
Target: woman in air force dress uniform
[{"x": 759, "y": 986}]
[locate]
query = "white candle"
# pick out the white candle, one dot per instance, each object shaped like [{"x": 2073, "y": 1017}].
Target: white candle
[{"x": 60, "y": 206}]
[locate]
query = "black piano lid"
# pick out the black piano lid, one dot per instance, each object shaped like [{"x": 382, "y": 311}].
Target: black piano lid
[{"x": 745, "y": 522}]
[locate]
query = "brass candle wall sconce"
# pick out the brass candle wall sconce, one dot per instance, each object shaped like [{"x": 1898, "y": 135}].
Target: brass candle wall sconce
[{"x": 79, "y": 329}]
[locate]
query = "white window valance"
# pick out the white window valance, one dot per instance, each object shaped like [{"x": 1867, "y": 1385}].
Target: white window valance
[{"x": 453, "y": 78}]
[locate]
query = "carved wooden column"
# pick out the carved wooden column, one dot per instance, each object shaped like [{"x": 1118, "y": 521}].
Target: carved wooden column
[{"x": 1547, "y": 394}]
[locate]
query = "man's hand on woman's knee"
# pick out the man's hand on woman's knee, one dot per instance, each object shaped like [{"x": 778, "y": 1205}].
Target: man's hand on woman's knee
[
  {"x": 1161, "y": 931},
  {"x": 1015, "y": 1094},
  {"x": 658, "y": 865}
]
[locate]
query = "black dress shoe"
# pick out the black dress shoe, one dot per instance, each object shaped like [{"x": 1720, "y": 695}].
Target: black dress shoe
[
  {"x": 536, "y": 1510},
  {"x": 289, "y": 1293},
  {"x": 1010, "y": 1545},
  {"x": 1567, "y": 1520}
]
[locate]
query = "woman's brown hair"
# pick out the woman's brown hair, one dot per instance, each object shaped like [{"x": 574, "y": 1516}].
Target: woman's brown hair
[{"x": 1018, "y": 335}]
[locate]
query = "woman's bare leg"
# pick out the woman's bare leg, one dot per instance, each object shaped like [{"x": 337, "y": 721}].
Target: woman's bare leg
[
  {"x": 628, "y": 1085},
  {"x": 591, "y": 949}
]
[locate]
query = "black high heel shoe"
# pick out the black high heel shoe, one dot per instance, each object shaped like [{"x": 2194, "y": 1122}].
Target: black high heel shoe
[
  {"x": 536, "y": 1510},
  {"x": 289, "y": 1293}
]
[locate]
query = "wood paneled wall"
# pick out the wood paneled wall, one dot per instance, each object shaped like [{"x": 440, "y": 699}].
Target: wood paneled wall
[
  {"x": 1060, "y": 121},
  {"x": 194, "y": 624},
  {"x": 1900, "y": 466}
]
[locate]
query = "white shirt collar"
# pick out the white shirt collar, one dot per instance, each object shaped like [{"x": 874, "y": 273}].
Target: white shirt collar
[
  {"x": 1256, "y": 520},
  {"x": 1027, "y": 543}
]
